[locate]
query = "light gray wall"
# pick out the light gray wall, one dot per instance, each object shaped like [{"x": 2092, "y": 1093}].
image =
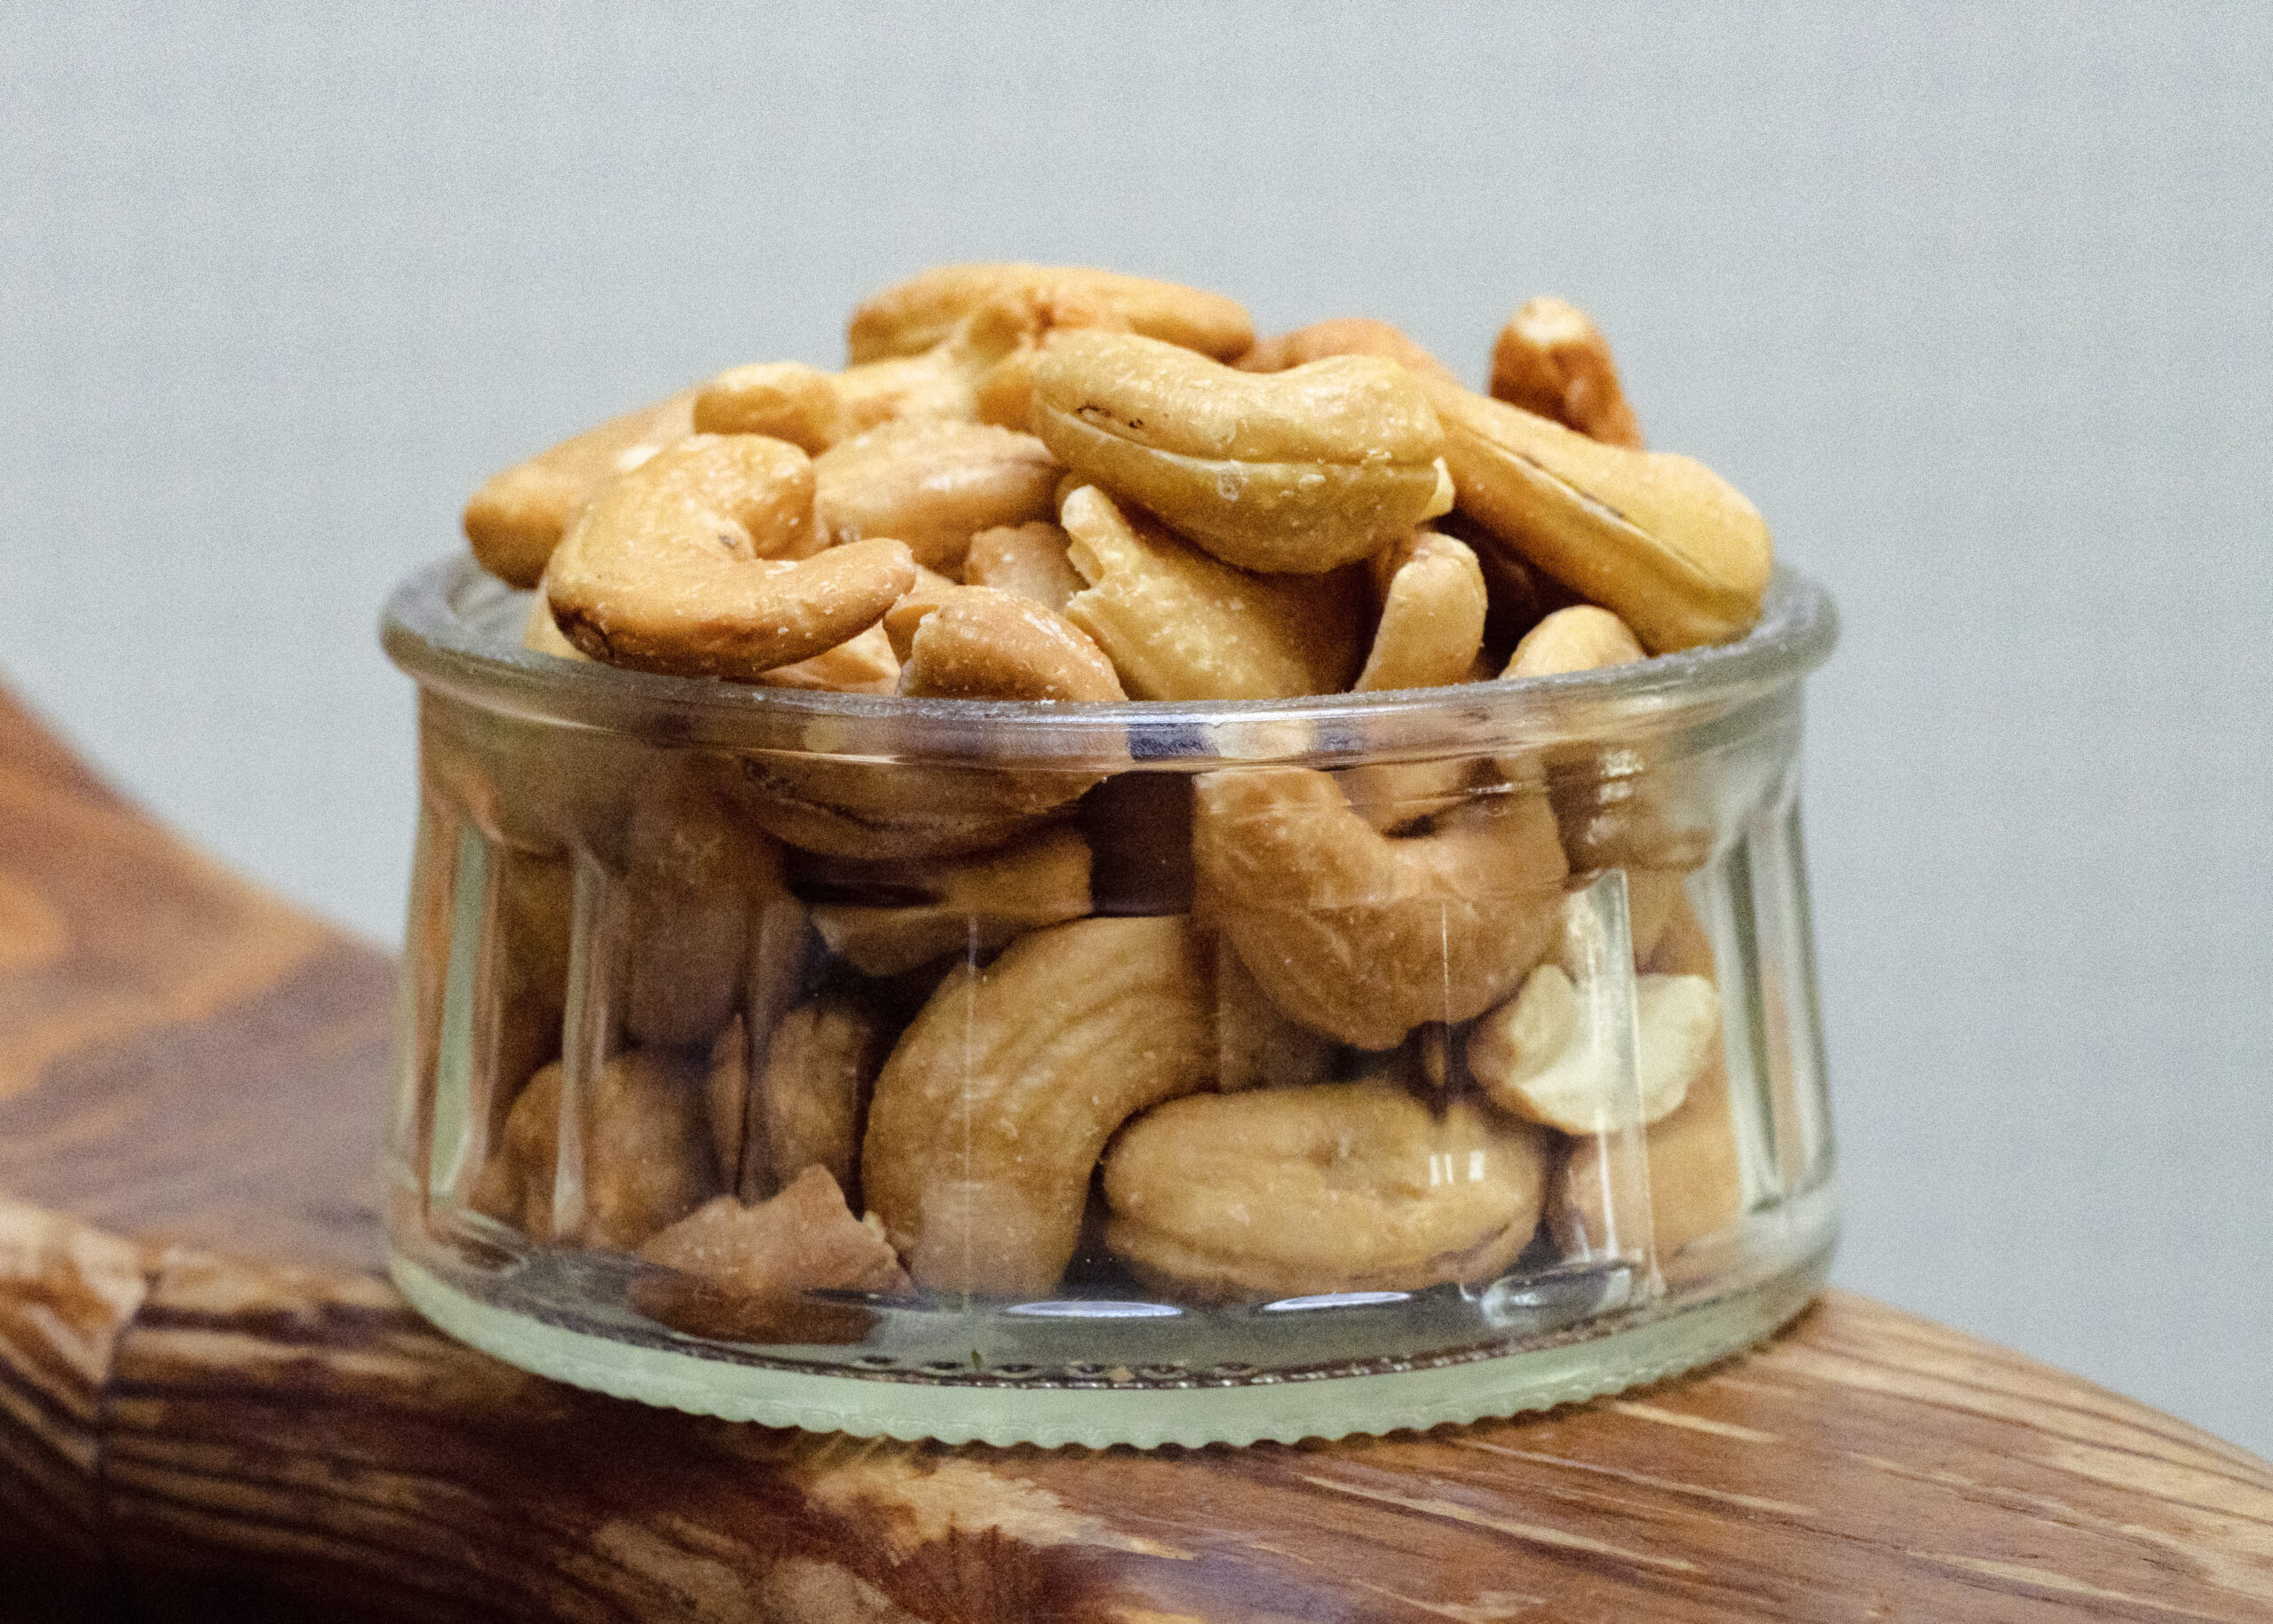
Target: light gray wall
[{"x": 1974, "y": 301}]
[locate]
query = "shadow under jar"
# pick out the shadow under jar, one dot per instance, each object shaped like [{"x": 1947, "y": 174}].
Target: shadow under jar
[{"x": 1130, "y": 1073}]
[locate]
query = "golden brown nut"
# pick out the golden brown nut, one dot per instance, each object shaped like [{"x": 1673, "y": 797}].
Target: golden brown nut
[
  {"x": 1696, "y": 1180},
  {"x": 1341, "y": 336},
  {"x": 1394, "y": 795},
  {"x": 1580, "y": 638},
  {"x": 1298, "y": 472},
  {"x": 1364, "y": 936},
  {"x": 863, "y": 664},
  {"x": 542, "y": 634},
  {"x": 686, "y": 566},
  {"x": 981, "y": 643},
  {"x": 990, "y": 1115},
  {"x": 1551, "y": 360},
  {"x": 918, "y": 313},
  {"x": 784, "y": 399},
  {"x": 1178, "y": 624},
  {"x": 1029, "y": 559},
  {"x": 1547, "y": 1055},
  {"x": 751, "y": 1265},
  {"x": 1431, "y": 627},
  {"x": 516, "y": 519},
  {"x": 850, "y": 807},
  {"x": 968, "y": 905},
  {"x": 1256, "y": 1046},
  {"x": 933, "y": 485},
  {"x": 1283, "y": 1192},
  {"x": 820, "y": 1061},
  {"x": 1662, "y": 541}
]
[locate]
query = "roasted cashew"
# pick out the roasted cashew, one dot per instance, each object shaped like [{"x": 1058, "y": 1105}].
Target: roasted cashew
[
  {"x": 1551, "y": 360},
  {"x": 1663, "y": 541},
  {"x": 1431, "y": 627},
  {"x": 1298, "y": 472},
  {"x": 820, "y": 1061},
  {"x": 540, "y": 633},
  {"x": 684, "y": 566},
  {"x": 1341, "y": 336},
  {"x": 1256, "y": 1046},
  {"x": 990, "y": 1115},
  {"x": 1696, "y": 1177},
  {"x": 516, "y": 519},
  {"x": 978, "y": 643},
  {"x": 1363, "y": 937},
  {"x": 783, "y": 400},
  {"x": 933, "y": 485},
  {"x": 1581, "y": 637},
  {"x": 742, "y": 1271},
  {"x": 903, "y": 915},
  {"x": 1543, "y": 1055},
  {"x": 918, "y": 313},
  {"x": 1356, "y": 1186},
  {"x": 1029, "y": 559},
  {"x": 850, "y": 807},
  {"x": 863, "y": 664},
  {"x": 1178, "y": 624}
]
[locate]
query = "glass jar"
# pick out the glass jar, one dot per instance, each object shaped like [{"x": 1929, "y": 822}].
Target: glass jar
[{"x": 1174, "y": 1072}]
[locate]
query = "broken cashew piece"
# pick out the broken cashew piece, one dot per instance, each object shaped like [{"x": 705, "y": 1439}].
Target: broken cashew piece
[
  {"x": 1361, "y": 936},
  {"x": 1543, "y": 1056},
  {"x": 1029, "y": 559},
  {"x": 1432, "y": 619},
  {"x": 695, "y": 564},
  {"x": 1286, "y": 472},
  {"x": 862, "y": 664},
  {"x": 821, "y": 1060},
  {"x": 968, "y": 905},
  {"x": 1552, "y": 360},
  {"x": 933, "y": 485},
  {"x": 518, "y": 516},
  {"x": 916, "y": 315},
  {"x": 1696, "y": 1175},
  {"x": 1662, "y": 541},
  {"x": 1580, "y": 638},
  {"x": 1341, "y": 336},
  {"x": 995, "y": 1104},
  {"x": 1356, "y": 1186},
  {"x": 976, "y": 643}
]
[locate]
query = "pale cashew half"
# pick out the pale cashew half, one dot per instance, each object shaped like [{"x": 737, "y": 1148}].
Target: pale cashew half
[
  {"x": 684, "y": 564},
  {"x": 1178, "y": 624},
  {"x": 991, "y": 1113},
  {"x": 1341, "y": 336},
  {"x": 1663, "y": 541},
  {"x": 973, "y": 904},
  {"x": 933, "y": 485},
  {"x": 1029, "y": 559},
  {"x": 1550, "y": 359},
  {"x": 916, "y": 315},
  {"x": 1432, "y": 619},
  {"x": 1546, "y": 1057},
  {"x": 516, "y": 519},
  {"x": 1364, "y": 936},
  {"x": 1358, "y": 1187},
  {"x": 1298, "y": 472}
]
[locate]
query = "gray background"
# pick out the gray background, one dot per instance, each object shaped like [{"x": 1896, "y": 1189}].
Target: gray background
[{"x": 1974, "y": 302}]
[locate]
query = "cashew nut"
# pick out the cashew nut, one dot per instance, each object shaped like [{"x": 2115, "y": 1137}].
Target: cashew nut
[
  {"x": 1341, "y": 336},
  {"x": 783, "y": 400},
  {"x": 1550, "y": 359},
  {"x": 1178, "y": 624},
  {"x": 684, "y": 564},
  {"x": 1544, "y": 1055},
  {"x": 542, "y": 634},
  {"x": 1336, "y": 1187},
  {"x": 804, "y": 1238},
  {"x": 1256, "y": 1046},
  {"x": 1028, "y": 559},
  {"x": 516, "y": 519},
  {"x": 852, "y": 807},
  {"x": 1298, "y": 472},
  {"x": 1663, "y": 541},
  {"x": 1362, "y": 936},
  {"x": 862, "y": 664},
  {"x": 1696, "y": 1180},
  {"x": 1432, "y": 619},
  {"x": 933, "y": 485},
  {"x": 820, "y": 1061},
  {"x": 1579, "y": 639},
  {"x": 990, "y": 1115},
  {"x": 916, "y": 315},
  {"x": 981, "y": 643},
  {"x": 971, "y": 905},
  {"x": 726, "y": 1098}
]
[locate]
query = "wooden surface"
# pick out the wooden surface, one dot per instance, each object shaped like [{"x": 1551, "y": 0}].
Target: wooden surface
[{"x": 212, "y": 1407}]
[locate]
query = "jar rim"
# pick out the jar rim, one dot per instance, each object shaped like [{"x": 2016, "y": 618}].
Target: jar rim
[{"x": 454, "y": 629}]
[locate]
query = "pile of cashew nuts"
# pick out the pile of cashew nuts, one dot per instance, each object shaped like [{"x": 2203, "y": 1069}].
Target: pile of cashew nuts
[{"x": 1267, "y": 1031}]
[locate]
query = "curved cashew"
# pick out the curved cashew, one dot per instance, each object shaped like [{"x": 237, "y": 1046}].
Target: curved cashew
[
  {"x": 1297, "y": 472},
  {"x": 1432, "y": 620},
  {"x": 1541, "y": 1056},
  {"x": 933, "y": 485},
  {"x": 1352, "y": 1186},
  {"x": 1341, "y": 336},
  {"x": 1364, "y": 936},
  {"x": 684, "y": 564},
  {"x": 1550, "y": 359},
  {"x": 518, "y": 516},
  {"x": 1663, "y": 541},
  {"x": 918, "y": 313},
  {"x": 1256, "y": 1046},
  {"x": 981, "y": 643},
  {"x": 1029, "y": 559},
  {"x": 1178, "y": 624},
  {"x": 856, "y": 808},
  {"x": 1579, "y": 639},
  {"x": 990, "y": 1115},
  {"x": 895, "y": 917}
]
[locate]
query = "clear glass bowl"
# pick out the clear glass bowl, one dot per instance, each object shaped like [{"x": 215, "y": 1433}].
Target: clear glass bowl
[{"x": 1217, "y": 1072}]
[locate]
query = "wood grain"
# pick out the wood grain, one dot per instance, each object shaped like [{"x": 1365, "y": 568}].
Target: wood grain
[{"x": 212, "y": 1407}]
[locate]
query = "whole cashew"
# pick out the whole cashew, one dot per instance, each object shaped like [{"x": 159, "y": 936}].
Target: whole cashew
[
  {"x": 1335, "y": 1187},
  {"x": 1179, "y": 624},
  {"x": 916, "y": 315},
  {"x": 894, "y": 917},
  {"x": 1540, "y": 1057},
  {"x": 1431, "y": 626},
  {"x": 981, "y": 643},
  {"x": 1298, "y": 472},
  {"x": 684, "y": 564},
  {"x": 1029, "y": 559},
  {"x": 1256, "y": 1045},
  {"x": 933, "y": 485},
  {"x": 1341, "y": 336},
  {"x": 990, "y": 1115},
  {"x": 1364, "y": 936},
  {"x": 516, "y": 519},
  {"x": 783, "y": 400},
  {"x": 1550, "y": 359},
  {"x": 1664, "y": 543},
  {"x": 850, "y": 807}
]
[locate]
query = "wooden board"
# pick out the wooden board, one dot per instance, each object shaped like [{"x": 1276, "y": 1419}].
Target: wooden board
[{"x": 211, "y": 1407}]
